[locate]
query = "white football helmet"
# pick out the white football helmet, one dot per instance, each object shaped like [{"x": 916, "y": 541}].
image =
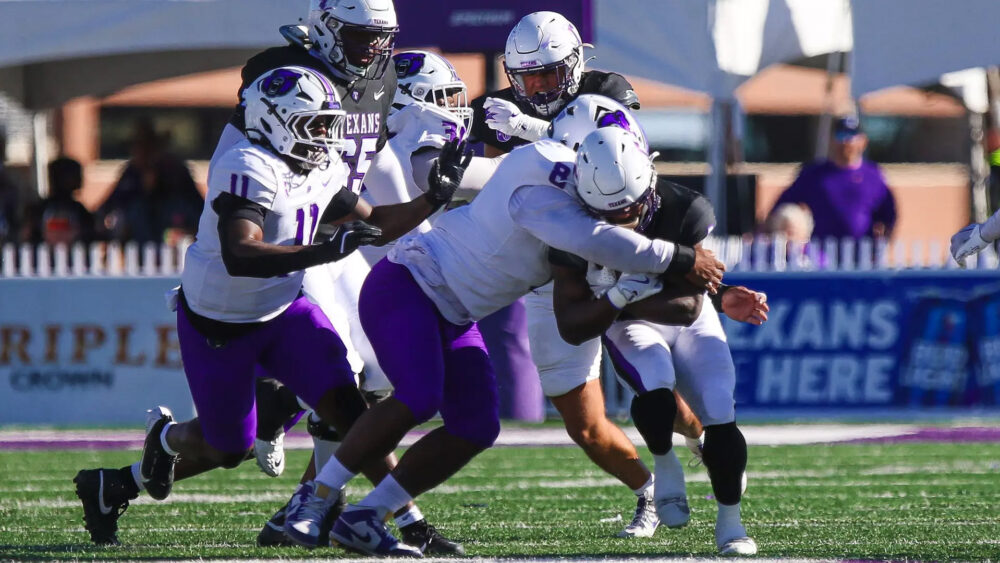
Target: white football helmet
[
  {"x": 588, "y": 113},
  {"x": 296, "y": 111},
  {"x": 544, "y": 50},
  {"x": 615, "y": 177},
  {"x": 429, "y": 78},
  {"x": 355, "y": 36}
]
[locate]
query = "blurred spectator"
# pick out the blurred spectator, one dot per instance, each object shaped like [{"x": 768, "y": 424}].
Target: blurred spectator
[
  {"x": 791, "y": 220},
  {"x": 794, "y": 222},
  {"x": 846, "y": 194},
  {"x": 155, "y": 198},
  {"x": 10, "y": 198},
  {"x": 60, "y": 218}
]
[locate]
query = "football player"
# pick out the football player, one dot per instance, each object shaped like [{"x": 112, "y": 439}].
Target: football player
[
  {"x": 659, "y": 330},
  {"x": 273, "y": 198},
  {"x": 419, "y": 308},
  {"x": 430, "y": 108},
  {"x": 544, "y": 61}
]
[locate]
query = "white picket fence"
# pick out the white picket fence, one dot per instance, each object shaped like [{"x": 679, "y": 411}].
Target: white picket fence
[{"x": 740, "y": 254}]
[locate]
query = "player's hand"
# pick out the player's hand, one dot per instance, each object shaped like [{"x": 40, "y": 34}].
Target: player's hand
[
  {"x": 505, "y": 117},
  {"x": 633, "y": 287},
  {"x": 967, "y": 242},
  {"x": 745, "y": 305},
  {"x": 346, "y": 238},
  {"x": 707, "y": 270},
  {"x": 447, "y": 171},
  {"x": 600, "y": 279}
]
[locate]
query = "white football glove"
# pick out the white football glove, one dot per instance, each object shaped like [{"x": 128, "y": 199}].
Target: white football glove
[
  {"x": 507, "y": 118},
  {"x": 601, "y": 279},
  {"x": 633, "y": 287},
  {"x": 967, "y": 242}
]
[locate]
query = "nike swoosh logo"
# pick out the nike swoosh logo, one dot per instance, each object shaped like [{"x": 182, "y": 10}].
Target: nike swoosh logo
[
  {"x": 379, "y": 93},
  {"x": 105, "y": 509}
]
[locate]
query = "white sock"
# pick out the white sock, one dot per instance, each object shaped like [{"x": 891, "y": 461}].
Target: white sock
[
  {"x": 669, "y": 475},
  {"x": 728, "y": 525},
  {"x": 137, "y": 477},
  {"x": 642, "y": 490},
  {"x": 693, "y": 443},
  {"x": 388, "y": 497},
  {"x": 163, "y": 439},
  {"x": 333, "y": 474},
  {"x": 411, "y": 516}
]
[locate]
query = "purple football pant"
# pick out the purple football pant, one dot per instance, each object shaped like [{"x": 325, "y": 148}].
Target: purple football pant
[
  {"x": 506, "y": 335},
  {"x": 299, "y": 348},
  {"x": 434, "y": 365}
]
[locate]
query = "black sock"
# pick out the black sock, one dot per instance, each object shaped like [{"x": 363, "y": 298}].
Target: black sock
[{"x": 128, "y": 482}]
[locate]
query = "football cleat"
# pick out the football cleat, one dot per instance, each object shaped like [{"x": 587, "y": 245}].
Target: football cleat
[
  {"x": 738, "y": 546},
  {"x": 360, "y": 529},
  {"x": 645, "y": 520},
  {"x": 157, "y": 466},
  {"x": 270, "y": 454},
  {"x": 273, "y": 532},
  {"x": 306, "y": 513},
  {"x": 425, "y": 537},
  {"x": 105, "y": 498},
  {"x": 673, "y": 512}
]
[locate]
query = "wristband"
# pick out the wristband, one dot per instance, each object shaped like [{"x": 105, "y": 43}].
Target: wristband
[
  {"x": 683, "y": 260},
  {"x": 717, "y": 298}
]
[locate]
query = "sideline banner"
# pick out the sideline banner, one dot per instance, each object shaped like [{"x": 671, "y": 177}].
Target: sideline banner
[
  {"x": 88, "y": 351},
  {"x": 870, "y": 339}
]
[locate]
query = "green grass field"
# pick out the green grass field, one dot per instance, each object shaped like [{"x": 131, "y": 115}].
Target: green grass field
[{"x": 924, "y": 501}]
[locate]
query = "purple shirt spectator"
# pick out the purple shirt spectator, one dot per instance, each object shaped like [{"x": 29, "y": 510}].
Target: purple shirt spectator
[{"x": 845, "y": 202}]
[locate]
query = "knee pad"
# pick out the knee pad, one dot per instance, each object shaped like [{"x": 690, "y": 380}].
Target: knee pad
[
  {"x": 725, "y": 456},
  {"x": 348, "y": 406},
  {"x": 653, "y": 413},
  {"x": 320, "y": 430},
  {"x": 276, "y": 405}
]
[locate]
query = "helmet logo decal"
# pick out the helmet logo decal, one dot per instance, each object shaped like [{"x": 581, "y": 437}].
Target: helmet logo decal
[
  {"x": 608, "y": 118},
  {"x": 408, "y": 64},
  {"x": 280, "y": 82}
]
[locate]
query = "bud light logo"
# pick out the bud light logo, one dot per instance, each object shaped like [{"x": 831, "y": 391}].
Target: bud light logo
[
  {"x": 280, "y": 82},
  {"x": 408, "y": 64}
]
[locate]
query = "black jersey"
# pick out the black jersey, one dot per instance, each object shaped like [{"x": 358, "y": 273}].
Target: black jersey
[
  {"x": 609, "y": 84},
  {"x": 683, "y": 216},
  {"x": 366, "y": 102}
]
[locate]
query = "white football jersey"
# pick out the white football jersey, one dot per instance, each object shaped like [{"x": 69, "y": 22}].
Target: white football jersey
[
  {"x": 483, "y": 256},
  {"x": 294, "y": 203},
  {"x": 418, "y": 126}
]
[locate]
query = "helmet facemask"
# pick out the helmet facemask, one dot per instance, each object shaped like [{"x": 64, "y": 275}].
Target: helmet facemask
[
  {"x": 361, "y": 50},
  {"x": 558, "y": 80},
  {"x": 319, "y": 136},
  {"x": 453, "y": 97}
]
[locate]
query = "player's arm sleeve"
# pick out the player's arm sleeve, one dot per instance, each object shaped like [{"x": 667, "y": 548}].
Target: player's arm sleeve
[
  {"x": 618, "y": 88},
  {"x": 255, "y": 260},
  {"x": 555, "y": 218},
  {"x": 479, "y": 172},
  {"x": 341, "y": 206}
]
